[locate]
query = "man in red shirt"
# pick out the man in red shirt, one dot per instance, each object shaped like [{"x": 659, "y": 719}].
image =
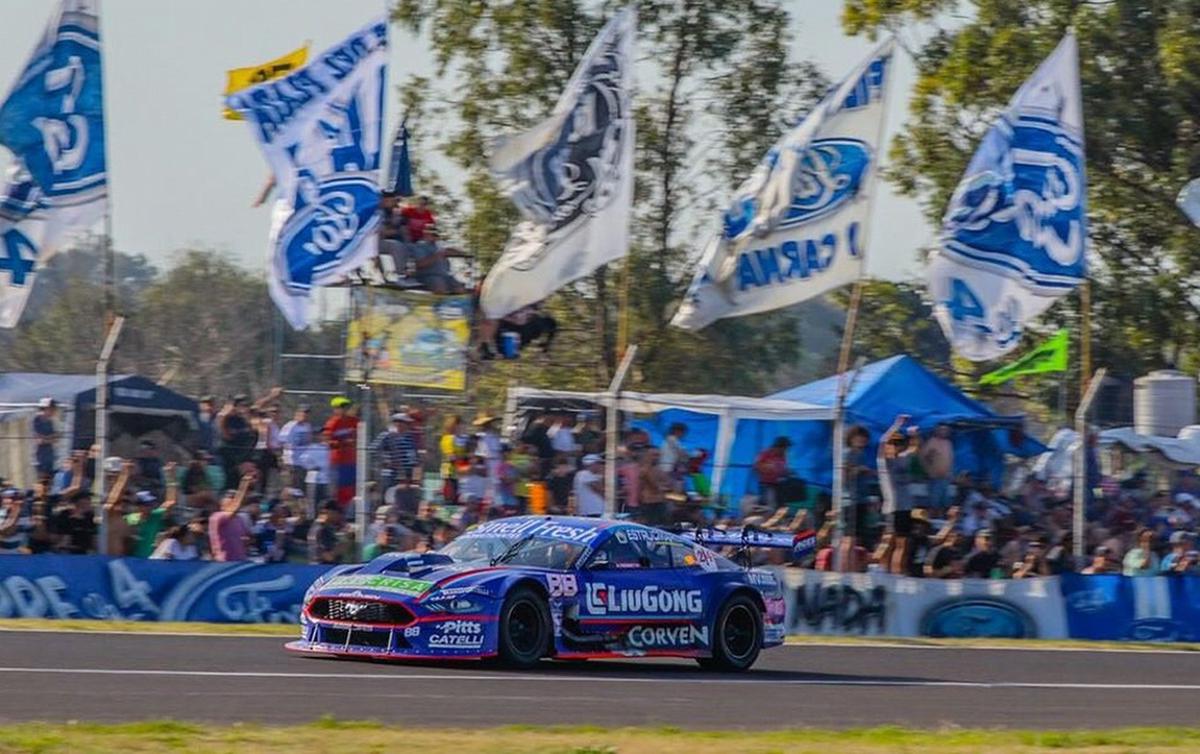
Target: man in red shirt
[
  {"x": 772, "y": 468},
  {"x": 341, "y": 433},
  {"x": 419, "y": 220}
]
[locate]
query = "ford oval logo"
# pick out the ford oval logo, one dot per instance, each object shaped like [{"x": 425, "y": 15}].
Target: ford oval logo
[
  {"x": 977, "y": 617},
  {"x": 827, "y": 174}
]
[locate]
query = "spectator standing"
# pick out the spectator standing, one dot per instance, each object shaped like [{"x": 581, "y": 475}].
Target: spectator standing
[
  {"x": 273, "y": 535},
  {"x": 1141, "y": 560},
  {"x": 341, "y": 435},
  {"x": 237, "y": 435},
  {"x": 562, "y": 437},
  {"x": 653, "y": 486},
  {"x": 893, "y": 462},
  {"x": 450, "y": 447},
  {"x": 328, "y": 542},
  {"x": 589, "y": 488},
  {"x": 857, "y": 489},
  {"x": 1101, "y": 563},
  {"x": 945, "y": 561},
  {"x": 771, "y": 467},
  {"x": 673, "y": 453},
  {"x": 937, "y": 461},
  {"x": 983, "y": 562},
  {"x": 489, "y": 448},
  {"x": 150, "y": 517},
  {"x": 268, "y": 445},
  {"x": 295, "y": 437},
  {"x": 1176, "y": 561},
  {"x": 149, "y": 469},
  {"x": 206, "y": 430},
  {"x": 116, "y": 506},
  {"x": 397, "y": 453},
  {"x": 77, "y": 523},
  {"x": 45, "y": 435},
  {"x": 228, "y": 531}
]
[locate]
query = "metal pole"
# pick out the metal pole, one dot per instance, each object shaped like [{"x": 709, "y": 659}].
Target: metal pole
[
  {"x": 1081, "y": 431},
  {"x": 110, "y": 344},
  {"x": 845, "y": 384},
  {"x": 1085, "y": 334},
  {"x": 613, "y": 432},
  {"x": 363, "y": 462},
  {"x": 839, "y": 428}
]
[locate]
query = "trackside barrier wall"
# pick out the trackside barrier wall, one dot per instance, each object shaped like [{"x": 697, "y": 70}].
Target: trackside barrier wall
[
  {"x": 868, "y": 604},
  {"x": 93, "y": 586},
  {"x": 828, "y": 604}
]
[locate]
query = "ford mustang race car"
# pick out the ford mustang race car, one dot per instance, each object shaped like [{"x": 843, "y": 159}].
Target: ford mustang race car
[{"x": 525, "y": 588}]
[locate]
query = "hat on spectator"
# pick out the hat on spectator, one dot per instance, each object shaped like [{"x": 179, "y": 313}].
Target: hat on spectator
[
  {"x": 78, "y": 495},
  {"x": 1180, "y": 537},
  {"x": 293, "y": 492},
  {"x": 331, "y": 505},
  {"x": 46, "y": 402},
  {"x": 241, "y": 398},
  {"x": 304, "y": 407},
  {"x": 485, "y": 419},
  {"x": 146, "y": 497},
  {"x": 10, "y": 492},
  {"x": 208, "y": 398},
  {"x": 112, "y": 464},
  {"x": 592, "y": 458},
  {"x": 1184, "y": 498},
  {"x": 340, "y": 401},
  {"x": 400, "y": 416}
]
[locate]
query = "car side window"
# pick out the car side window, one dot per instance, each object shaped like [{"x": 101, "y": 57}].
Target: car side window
[
  {"x": 618, "y": 554},
  {"x": 659, "y": 554}
]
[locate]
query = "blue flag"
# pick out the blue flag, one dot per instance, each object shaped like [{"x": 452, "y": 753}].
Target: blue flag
[
  {"x": 400, "y": 174},
  {"x": 53, "y": 121},
  {"x": 1013, "y": 237},
  {"x": 321, "y": 130}
]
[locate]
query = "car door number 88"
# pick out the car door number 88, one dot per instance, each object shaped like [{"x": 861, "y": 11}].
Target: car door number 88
[{"x": 562, "y": 584}]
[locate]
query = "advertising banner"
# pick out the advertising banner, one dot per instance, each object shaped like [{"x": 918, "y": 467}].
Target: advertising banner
[
  {"x": 870, "y": 604},
  {"x": 97, "y": 587},
  {"x": 413, "y": 339}
]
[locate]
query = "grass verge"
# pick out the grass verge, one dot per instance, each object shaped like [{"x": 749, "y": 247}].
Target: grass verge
[{"x": 328, "y": 735}]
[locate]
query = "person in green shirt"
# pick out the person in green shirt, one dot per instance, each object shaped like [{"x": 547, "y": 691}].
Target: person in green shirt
[{"x": 150, "y": 518}]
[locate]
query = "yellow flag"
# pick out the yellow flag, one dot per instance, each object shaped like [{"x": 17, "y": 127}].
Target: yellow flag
[{"x": 243, "y": 78}]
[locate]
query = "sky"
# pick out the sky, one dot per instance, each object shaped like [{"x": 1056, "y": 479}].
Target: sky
[{"x": 182, "y": 177}]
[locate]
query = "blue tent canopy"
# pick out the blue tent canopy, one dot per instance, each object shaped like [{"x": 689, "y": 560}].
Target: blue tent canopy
[{"x": 883, "y": 390}]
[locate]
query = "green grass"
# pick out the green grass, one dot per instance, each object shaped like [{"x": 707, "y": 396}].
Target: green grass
[{"x": 330, "y": 735}]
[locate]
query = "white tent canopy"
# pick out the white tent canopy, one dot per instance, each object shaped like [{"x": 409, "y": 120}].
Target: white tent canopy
[{"x": 730, "y": 409}]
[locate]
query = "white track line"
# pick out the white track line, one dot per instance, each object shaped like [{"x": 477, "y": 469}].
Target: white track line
[{"x": 675, "y": 680}]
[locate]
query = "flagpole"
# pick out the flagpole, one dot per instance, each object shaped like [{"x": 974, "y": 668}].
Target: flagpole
[
  {"x": 1085, "y": 335},
  {"x": 111, "y": 328}
]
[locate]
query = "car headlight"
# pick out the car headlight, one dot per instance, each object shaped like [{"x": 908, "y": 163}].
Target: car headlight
[{"x": 458, "y": 600}]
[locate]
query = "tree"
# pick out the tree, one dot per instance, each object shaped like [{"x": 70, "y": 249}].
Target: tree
[
  {"x": 721, "y": 79},
  {"x": 1141, "y": 88},
  {"x": 896, "y": 318}
]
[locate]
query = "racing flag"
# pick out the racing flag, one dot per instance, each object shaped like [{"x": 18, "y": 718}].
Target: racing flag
[
  {"x": 797, "y": 227},
  {"x": 571, "y": 176},
  {"x": 53, "y": 121},
  {"x": 1050, "y": 356},
  {"x": 238, "y": 79}
]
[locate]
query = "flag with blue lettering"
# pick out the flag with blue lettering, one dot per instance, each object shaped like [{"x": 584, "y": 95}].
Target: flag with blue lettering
[
  {"x": 53, "y": 121},
  {"x": 1014, "y": 235},
  {"x": 321, "y": 130},
  {"x": 797, "y": 227},
  {"x": 571, "y": 176}
]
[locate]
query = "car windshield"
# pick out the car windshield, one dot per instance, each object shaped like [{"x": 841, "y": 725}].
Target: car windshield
[
  {"x": 542, "y": 552},
  {"x": 468, "y": 548}
]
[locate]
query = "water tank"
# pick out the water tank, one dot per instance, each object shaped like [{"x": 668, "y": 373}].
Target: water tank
[{"x": 1164, "y": 402}]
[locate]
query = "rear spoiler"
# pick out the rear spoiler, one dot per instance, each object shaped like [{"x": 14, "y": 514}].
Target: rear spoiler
[{"x": 801, "y": 544}]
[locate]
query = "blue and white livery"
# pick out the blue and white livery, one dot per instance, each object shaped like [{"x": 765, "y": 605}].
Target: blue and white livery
[
  {"x": 320, "y": 128},
  {"x": 1014, "y": 235},
  {"x": 533, "y": 587},
  {"x": 53, "y": 121},
  {"x": 797, "y": 227}
]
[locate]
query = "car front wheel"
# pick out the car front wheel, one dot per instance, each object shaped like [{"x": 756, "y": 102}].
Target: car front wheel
[
  {"x": 525, "y": 628},
  {"x": 737, "y": 636}
]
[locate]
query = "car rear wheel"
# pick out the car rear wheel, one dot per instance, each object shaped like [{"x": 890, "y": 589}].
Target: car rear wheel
[
  {"x": 525, "y": 628},
  {"x": 737, "y": 636}
]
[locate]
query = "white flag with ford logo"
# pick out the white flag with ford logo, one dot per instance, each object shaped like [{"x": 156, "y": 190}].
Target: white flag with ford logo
[{"x": 797, "y": 227}]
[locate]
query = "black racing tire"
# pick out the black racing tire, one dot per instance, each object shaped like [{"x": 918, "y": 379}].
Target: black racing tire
[
  {"x": 737, "y": 636},
  {"x": 525, "y": 628}
]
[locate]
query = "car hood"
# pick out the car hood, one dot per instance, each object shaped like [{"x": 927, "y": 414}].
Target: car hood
[{"x": 402, "y": 576}]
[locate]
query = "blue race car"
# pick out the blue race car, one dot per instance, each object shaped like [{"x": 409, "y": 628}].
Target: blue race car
[{"x": 525, "y": 588}]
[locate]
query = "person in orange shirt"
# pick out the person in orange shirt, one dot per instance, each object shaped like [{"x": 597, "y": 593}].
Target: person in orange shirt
[{"x": 341, "y": 433}]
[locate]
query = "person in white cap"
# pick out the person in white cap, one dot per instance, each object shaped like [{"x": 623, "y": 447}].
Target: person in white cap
[{"x": 589, "y": 487}]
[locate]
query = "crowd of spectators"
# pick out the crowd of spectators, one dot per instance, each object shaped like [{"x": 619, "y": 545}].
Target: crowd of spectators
[{"x": 256, "y": 487}]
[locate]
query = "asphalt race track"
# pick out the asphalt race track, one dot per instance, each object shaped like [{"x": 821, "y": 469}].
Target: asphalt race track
[{"x": 122, "y": 677}]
